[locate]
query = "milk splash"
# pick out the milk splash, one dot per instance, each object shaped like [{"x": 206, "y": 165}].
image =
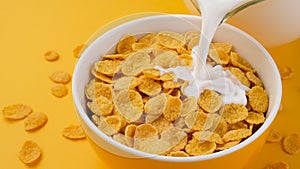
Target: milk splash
[{"x": 203, "y": 76}]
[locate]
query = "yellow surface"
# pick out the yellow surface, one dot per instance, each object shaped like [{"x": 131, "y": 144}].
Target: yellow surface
[{"x": 29, "y": 28}]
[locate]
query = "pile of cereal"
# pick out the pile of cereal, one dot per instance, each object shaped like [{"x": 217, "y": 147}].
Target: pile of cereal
[{"x": 136, "y": 105}]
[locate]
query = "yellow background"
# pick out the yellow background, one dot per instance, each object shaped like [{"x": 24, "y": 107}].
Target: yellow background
[{"x": 28, "y": 28}]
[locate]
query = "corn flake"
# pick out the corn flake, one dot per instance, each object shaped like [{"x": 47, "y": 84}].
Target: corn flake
[
  {"x": 140, "y": 46},
  {"x": 239, "y": 62},
  {"x": 198, "y": 120},
  {"x": 237, "y": 134},
  {"x": 233, "y": 113},
  {"x": 149, "y": 86},
  {"x": 149, "y": 39},
  {"x": 110, "y": 125},
  {"x": 73, "y": 132},
  {"x": 135, "y": 62},
  {"x": 210, "y": 101},
  {"x": 59, "y": 90},
  {"x": 167, "y": 60},
  {"x": 227, "y": 145},
  {"x": 107, "y": 67},
  {"x": 78, "y": 50},
  {"x": 51, "y": 55},
  {"x": 115, "y": 56},
  {"x": 189, "y": 105},
  {"x": 291, "y": 144},
  {"x": 196, "y": 148},
  {"x": 225, "y": 47},
  {"x": 219, "y": 125},
  {"x": 219, "y": 56},
  {"x": 16, "y": 111},
  {"x": 277, "y": 165},
  {"x": 254, "y": 79},
  {"x": 35, "y": 121},
  {"x": 173, "y": 108},
  {"x": 101, "y": 77},
  {"x": 274, "y": 136},
  {"x": 178, "y": 154},
  {"x": 171, "y": 40},
  {"x": 162, "y": 124},
  {"x": 102, "y": 89},
  {"x": 30, "y": 153},
  {"x": 240, "y": 75},
  {"x": 208, "y": 136},
  {"x": 60, "y": 77},
  {"x": 89, "y": 90},
  {"x": 156, "y": 105},
  {"x": 286, "y": 72},
  {"x": 170, "y": 85},
  {"x": 129, "y": 104},
  {"x": 255, "y": 118},
  {"x": 258, "y": 99},
  {"x": 192, "y": 43},
  {"x": 125, "y": 44}
]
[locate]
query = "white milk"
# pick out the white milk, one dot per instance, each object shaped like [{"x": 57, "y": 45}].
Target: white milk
[{"x": 203, "y": 76}]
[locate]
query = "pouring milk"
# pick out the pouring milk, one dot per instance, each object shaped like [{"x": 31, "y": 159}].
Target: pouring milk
[{"x": 203, "y": 76}]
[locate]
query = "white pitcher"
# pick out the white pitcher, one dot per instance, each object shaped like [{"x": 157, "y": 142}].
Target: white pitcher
[{"x": 271, "y": 22}]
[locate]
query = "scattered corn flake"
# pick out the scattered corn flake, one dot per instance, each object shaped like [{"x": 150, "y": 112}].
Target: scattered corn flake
[
  {"x": 30, "y": 153},
  {"x": 167, "y": 60},
  {"x": 73, "y": 132},
  {"x": 208, "y": 136},
  {"x": 286, "y": 72},
  {"x": 125, "y": 44},
  {"x": 173, "y": 108},
  {"x": 254, "y": 79},
  {"x": 162, "y": 124},
  {"x": 102, "y": 89},
  {"x": 51, "y": 55},
  {"x": 227, "y": 145},
  {"x": 258, "y": 99},
  {"x": 35, "y": 121},
  {"x": 219, "y": 56},
  {"x": 240, "y": 75},
  {"x": 149, "y": 86},
  {"x": 210, "y": 101},
  {"x": 107, "y": 67},
  {"x": 171, "y": 40},
  {"x": 60, "y": 77},
  {"x": 255, "y": 118},
  {"x": 274, "y": 136},
  {"x": 234, "y": 135},
  {"x": 189, "y": 105},
  {"x": 100, "y": 76},
  {"x": 291, "y": 144},
  {"x": 115, "y": 56},
  {"x": 239, "y": 62},
  {"x": 156, "y": 105},
  {"x": 135, "y": 62},
  {"x": 59, "y": 90},
  {"x": 233, "y": 113},
  {"x": 129, "y": 104},
  {"x": 77, "y": 51},
  {"x": 178, "y": 154},
  {"x": 225, "y": 47},
  {"x": 196, "y": 148},
  {"x": 198, "y": 120},
  {"x": 277, "y": 165},
  {"x": 16, "y": 111}
]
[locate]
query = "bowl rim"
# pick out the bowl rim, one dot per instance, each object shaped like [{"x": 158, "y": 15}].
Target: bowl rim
[{"x": 83, "y": 115}]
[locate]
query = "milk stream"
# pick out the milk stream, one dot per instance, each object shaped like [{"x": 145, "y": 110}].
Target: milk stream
[{"x": 203, "y": 76}]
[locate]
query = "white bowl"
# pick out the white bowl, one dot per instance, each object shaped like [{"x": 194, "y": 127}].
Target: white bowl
[{"x": 245, "y": 45}]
